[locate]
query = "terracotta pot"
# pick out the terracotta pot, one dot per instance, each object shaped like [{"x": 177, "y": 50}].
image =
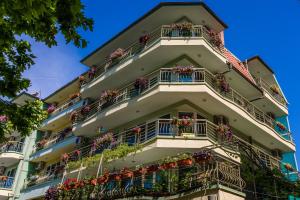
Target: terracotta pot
[
  {"x": 169, "y": 165},
  {"x": 185, "y": 162}
]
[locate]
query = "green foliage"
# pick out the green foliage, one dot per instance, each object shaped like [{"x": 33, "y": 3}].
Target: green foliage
[
  {"x": 40, "y": 20},
  {"x": 108, "y": 155},
  {"x": 25, "y": 118},
  {"x": 267, "y": 180}
]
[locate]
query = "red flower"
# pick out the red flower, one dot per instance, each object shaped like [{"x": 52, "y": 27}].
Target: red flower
[{"x": 94, "y": 181}]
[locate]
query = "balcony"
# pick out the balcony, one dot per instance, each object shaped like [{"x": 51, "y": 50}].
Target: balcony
[
  {"x": 37, "y": 185},
  {"x": 170, "y": 83},
  {"x": 11, "y": 153},
  {"x": 166, "y": 35},
  {"x": 53, "y": 147},
  {"x": 60, "y": 115},
  {"x": 6, "y": 187},
  {"x": 273, "y": 96}
]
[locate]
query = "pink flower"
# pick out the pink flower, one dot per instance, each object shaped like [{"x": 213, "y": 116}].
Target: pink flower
[{"x": 3, "y": 118}]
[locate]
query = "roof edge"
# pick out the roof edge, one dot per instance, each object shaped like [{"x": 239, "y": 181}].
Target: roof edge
[
  {"x": 160, "y": 5},
  {"x": 262, "y": 61}
]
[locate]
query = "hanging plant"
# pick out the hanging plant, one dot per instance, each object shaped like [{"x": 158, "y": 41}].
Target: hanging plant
[
  {"x": 275, "y": 89},
  {"x": 118, "y": 53},
  {"x": 141, "y": 83},
  {"x": 184, "y": 160},
  {"x": 187, "y": 70},
  {"x": 137, "y": 130},
  {"x": 144, "y": 39},
  {"x": 51, "y": 108},
  {"x": 280, "y": 126}
]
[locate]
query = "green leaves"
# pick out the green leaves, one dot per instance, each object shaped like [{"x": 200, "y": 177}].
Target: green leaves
[{"x": 41, "y": 20}]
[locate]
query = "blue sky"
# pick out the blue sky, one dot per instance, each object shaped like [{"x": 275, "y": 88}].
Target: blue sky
[{"x": 269, "y": 28}]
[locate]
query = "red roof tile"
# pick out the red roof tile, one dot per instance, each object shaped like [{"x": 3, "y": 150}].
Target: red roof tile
[{"x": 237, "y": 64}]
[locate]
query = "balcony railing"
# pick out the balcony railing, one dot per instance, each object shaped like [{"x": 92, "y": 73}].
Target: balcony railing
[
  {"x": 6, "y": 182},
  {"x": 198, "y": 76},
  {"x": 163, "y": 32},
  {"x": 44, "y": 176},
  {"x": 12, "y": 146},
  {"x": 65, "y": 105},
  {"x": 47, "y": 143},
  {"x": 276, "y": 96},
  {"x": 198, "y": 177}
]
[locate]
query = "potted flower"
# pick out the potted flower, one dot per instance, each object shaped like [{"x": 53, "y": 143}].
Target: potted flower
[
  {"x": 280, "y": 126},
  {"x": 185, "y": 28},
  {"x": 85, "y": 110},
  {"x": 115, "y": 176},
  {"x": 126, "y": 173},
  {"x": 92, "y": 72},
  {"x": 117, "y": 54},
  {"x": 74, "y": 115},
  {"x": 144, "y": 39},
  {"x": 152, "y": 168},
  {"x": 202, "y": 156},
  {"x": 74, "y": 96},
  {"x": 105, "y": 139},
  {"x": 51, "y": 108},
  {"x": 288, "y": 167},
  {"x": 169, "y": 163},
  {"x": 107, "y": 97},
  {"x": 140, "y": 171},
  {"x": 140, "y": 84},
  {"x": 185, "y": 124},
  {"x": 40, "y": 144},
  {"x": 65, "y": 157},
  {"x": 185, "y": 160},
  {"x": 81, "y": 79},
  {"x": 275, "y": 89},
  {"x": 184, "y": 70},
  {"x": 137, "y": 130}
]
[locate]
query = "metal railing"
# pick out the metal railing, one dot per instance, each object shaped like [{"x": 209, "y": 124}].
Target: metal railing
[
  {"x": 44, "y": 176},
  {"x": 59, "y": 137},
  {"x": 201, "y": 176},
  {"x": 198, "y": 76},
  {"x": 266, "y": 87},
  {"x": 162, "y": 32},
  {"x": 68, "y": 103},
  {"x": 12, "y": 146},
  {"x": 6, "y": 182}
]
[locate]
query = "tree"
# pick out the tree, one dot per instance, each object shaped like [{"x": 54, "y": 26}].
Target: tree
[{"x": 41, "y": 20}]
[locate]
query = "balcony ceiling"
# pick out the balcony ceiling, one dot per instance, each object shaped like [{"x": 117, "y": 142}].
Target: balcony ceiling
[{"x": 163, "y": 14}]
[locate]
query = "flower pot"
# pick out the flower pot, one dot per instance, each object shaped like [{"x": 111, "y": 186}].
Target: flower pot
[
  {"x": 185, "y": 162},
  {"x": 169, "y": 165},
  {"x": 152, "y": 168}
]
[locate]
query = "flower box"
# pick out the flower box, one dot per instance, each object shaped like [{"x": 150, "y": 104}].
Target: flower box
[
  {"x": 187, "y": 70},
  {"x": 185, "y": 162},
  {"x": 152, "y": 168},
  {"x": 170, "y": 165},
  {"x": 74, "y": 96}
]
